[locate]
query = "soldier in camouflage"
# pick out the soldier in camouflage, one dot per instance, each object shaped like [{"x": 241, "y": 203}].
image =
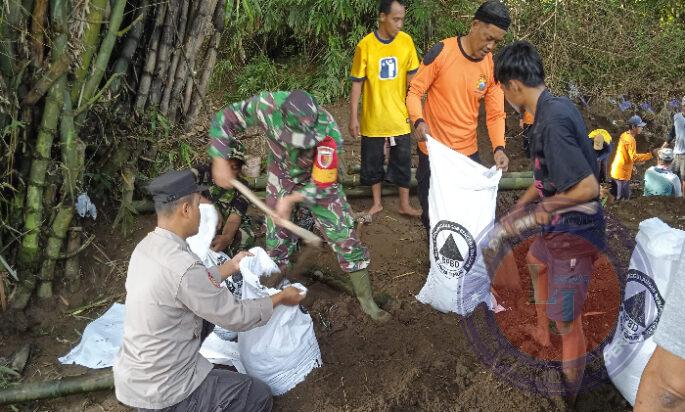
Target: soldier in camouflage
[{"x": 301, "y": 169}]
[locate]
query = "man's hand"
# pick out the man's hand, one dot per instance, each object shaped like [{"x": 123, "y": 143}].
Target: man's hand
[
  {"x": 222, "y": 173},
  {"x": 354, "y": 126},
  {"x": 421, "y": 131},
  {"x": 220, "y": 242},
  {"x": 233, "y": 265},
  {"x": 508, "y": 220},
  {"x": 501, "y": 160},
  {"x": 289, "y": 296},
  {"x": 284, "y": 207}
]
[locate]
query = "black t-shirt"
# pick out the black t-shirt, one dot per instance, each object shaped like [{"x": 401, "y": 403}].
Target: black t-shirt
[{"x": 561, "y": 152}]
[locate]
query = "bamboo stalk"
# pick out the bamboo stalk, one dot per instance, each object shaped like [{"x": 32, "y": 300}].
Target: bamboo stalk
[
  {"x": 189, "y": 52},
  {"x": 166, "y": 41},
  {"x": 101, "y": 380},
  {"x": 129, "y": 48},
  {"x": 90, "y": 44},
  {"x": 151, "y": 60},
  {"x": 56, "y": 71},
  {"x": 29, "y": 251},
  {"x": 104, "y": 53},
  {"x": 40, "y": 9},
  {"x": 54, "y": 247},
  {"x": 124, "y": 217},
  {"x": 72, "y": 169},
  {"x": 72, "y": 273},
  {"x": 210, "y": 61},
  {"x": 180, "y": 39}
]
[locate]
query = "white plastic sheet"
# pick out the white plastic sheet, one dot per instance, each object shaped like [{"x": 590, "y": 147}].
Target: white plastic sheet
[{"x": 462, "y": 201}]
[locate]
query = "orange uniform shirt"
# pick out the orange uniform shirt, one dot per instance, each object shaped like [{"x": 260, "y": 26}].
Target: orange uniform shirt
[
  {"x": 626, "y": 155},
  {"x": 455, "y": 85}
]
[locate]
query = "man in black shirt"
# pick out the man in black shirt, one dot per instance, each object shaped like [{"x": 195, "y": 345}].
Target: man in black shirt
[{"x": 564, "y": 169}]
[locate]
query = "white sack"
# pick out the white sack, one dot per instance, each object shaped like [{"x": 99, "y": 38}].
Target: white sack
[
  {"x": 200, "y": 243},
  {"x": 462, "y": 201},
  {"x": 284, "y": 351},
  {"x": 656, "y": 257}
]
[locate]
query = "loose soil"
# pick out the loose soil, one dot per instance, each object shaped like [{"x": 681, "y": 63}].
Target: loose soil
[{"x": 420, "y": 360}]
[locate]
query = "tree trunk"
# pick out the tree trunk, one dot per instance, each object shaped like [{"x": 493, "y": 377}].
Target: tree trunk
[
  {"x": 90, "y": 45},
  {"x": 151, "y": 60},
  {"x": 29, "y": 252}
]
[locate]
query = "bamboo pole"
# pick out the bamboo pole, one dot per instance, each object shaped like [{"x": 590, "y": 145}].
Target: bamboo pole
[
  {"x": 189, "y": 51},
  {"x": 124, "y": 217},
  {"x": 57, "y": 70},
  {"x": 73, "y": 158},
  {"x": 72, "y": 273},
  {"x": 150, "y": 60},
  {"x": 129, "y": 48},
  {"x": 180, "y": 39},
  {"x": 90, "y": 45},
  {"x": 166, "y": 42},
  {"x": 210, "y": 60},
  {"x": 104, "y": 53},
  {"x": 101, "y": 380},
  {"x": 40, "y": 9},
  {"x": 29, "y": 251}
]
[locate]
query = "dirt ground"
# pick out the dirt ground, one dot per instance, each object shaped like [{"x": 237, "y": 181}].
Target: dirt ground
[{"x": 420, "y": 360}]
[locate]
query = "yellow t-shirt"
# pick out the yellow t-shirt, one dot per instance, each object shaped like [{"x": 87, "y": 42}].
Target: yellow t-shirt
[{"x": 383, "y": 66}]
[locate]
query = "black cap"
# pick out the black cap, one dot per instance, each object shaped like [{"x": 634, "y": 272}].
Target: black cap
[
  {"x": 494, "y": 12},
  {"x": 173, "y": 185}
]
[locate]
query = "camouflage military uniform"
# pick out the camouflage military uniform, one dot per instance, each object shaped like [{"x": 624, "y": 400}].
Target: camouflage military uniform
[
  {"x": 231, "y": 202},
  {"x": 293, "y": 126}
]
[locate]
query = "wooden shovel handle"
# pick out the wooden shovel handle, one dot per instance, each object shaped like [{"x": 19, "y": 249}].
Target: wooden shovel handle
[{"x": 304, "y": 234}]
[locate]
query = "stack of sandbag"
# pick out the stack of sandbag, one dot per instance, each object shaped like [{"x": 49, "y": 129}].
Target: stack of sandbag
[
  {"x": 657, "y": 257},
  {"x": 284, "y": 351},
  {"x": 462, "y": 201}
]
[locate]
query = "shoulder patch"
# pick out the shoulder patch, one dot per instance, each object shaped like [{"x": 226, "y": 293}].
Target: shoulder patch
[{"x": 433, "y": 53}]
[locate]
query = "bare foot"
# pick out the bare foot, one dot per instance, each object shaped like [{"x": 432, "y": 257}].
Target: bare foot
[
  {"x": 375, "y": 209},
  {"x": 410, "y": 211},
  {"x": 541, "y": 336}
]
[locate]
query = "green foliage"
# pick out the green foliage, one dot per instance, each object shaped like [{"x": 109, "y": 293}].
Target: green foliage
[{"x": 611, "y": 47}]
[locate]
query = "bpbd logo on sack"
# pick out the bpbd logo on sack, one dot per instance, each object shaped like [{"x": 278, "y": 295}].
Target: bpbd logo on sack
[
  {"x": 454, "y": 249},
  {"x": 641, "y": 308}
]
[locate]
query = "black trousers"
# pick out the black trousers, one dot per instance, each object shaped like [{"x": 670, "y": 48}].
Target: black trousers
[{"x": 423, "y": 176}]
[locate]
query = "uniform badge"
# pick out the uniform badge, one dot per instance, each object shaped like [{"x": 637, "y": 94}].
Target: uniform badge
[
  {"x": 212, "y": 280},
  {"x": 482, "y": 83},
  {"x": 324, "y": 156}
]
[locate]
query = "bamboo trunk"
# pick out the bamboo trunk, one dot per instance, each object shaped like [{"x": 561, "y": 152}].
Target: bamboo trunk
[
  {"x": 101, "y": 380},
  {"x": 124, "y": 217},
  {"x": 129, "y": 48},
  {"x": 210, "y": 60},
  {"x": 73, "y": 154},
  {"x": 104, "y": 54},
  {"x": 150, "y": 61},
  {"x": 72, "y": 271},
  {"x": 29, "y": 252},
  {"x": 40, "y": 9},
  {"x": 189, "y": 51},
  {"x": 90, "y": 45},
  {"x": 178, "y": 50},
  {"x": 166, "y": 42}
]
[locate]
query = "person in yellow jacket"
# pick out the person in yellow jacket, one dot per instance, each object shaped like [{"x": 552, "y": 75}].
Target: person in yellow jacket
[{"x": 626, "y": 156}]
